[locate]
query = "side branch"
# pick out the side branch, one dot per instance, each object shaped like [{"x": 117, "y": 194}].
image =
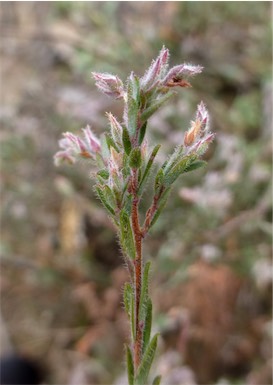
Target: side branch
[{"x": 151, "y": 212}]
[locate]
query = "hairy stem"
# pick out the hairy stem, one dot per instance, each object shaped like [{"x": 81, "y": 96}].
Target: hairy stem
[
  {"x": 151, "y": 212},
  {"x": 138, "y": 270}
]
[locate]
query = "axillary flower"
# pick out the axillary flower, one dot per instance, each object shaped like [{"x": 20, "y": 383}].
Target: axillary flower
[
  {"x": 125, "y": 165},
  {"x": 73, "y": 147}
]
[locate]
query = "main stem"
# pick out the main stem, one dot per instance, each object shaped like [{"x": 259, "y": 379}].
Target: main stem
[{"x": 137, "y": 271}]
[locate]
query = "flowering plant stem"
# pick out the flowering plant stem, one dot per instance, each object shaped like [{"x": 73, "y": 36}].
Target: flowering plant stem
[
  {"x": 137, "y": 269},
  {"x": 124, "y": 166}
]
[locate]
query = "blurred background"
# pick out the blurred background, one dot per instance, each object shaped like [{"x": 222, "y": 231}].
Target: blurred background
[{"x": 62, "y": 276}]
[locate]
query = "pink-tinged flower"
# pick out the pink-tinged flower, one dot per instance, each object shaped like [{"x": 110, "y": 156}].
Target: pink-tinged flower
[
  {"x": 177, "y": 75},
  {"x": 91, "y": 140},
  {"x": 110, "y": 85},
  {"x": 198, "y": 137},
  {"x": 156, "y": 70},
  {"x": 74, "y": 147},
  {"x": 63, "y": 157}
]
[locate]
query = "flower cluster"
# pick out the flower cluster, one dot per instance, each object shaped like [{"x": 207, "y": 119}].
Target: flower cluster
[{"x": 74, "y": 147}]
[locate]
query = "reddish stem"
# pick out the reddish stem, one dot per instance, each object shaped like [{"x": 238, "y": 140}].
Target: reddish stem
[
  {"x": 138, "y": 270},
  {"x": 151, "y": 212}
]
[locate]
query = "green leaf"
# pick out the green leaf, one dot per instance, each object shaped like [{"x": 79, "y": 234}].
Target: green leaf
[
  {"x": 109, "y": 195},
  {"x": 181, "y": 167},
  {"x": 159, "y": 179},
  {"x": 146, "y": 363},
  {"x": 127, "y": 237},
  {"x": 142, "y": 133},
  {"x": 162, "y": 203},
  {"x": 104, "y": 148},
  {"x": 155, "y": 106},
  {"x": 102, "y": 195},
  {"x": 103, "y": 173},
  {"x": 157, "y": 380},
  {"x": 128, "y": 199},
  {"x": 135, "y": 158},
  {"x": 195, "y": 165},
  {"x": 132, "y": 316},
  {"x": 111, "y": 143},
  {"x": 149, "y": 165},
  {"x": 134, "y": 86},
  {"x": 132, "y": 117},
  {"x": 126, "y": 141},
  {"x": 173, "y": 159},
  {"x": 132, "y": 103},
  {"x": 144, "y": 290},
  {"x": 147, "y": 325},
  {"x": 130, "y": 366},
  {"x": 127, "y": 296},
  {"x": 118, "y": 196}
]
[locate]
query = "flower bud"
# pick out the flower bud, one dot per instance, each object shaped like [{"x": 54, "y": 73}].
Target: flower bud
[
  {"x": 156, "y": 70},
  {"x": 91, "y": 140},
  {"x": 110, "y": 85},
  {"x": 63, "y": 157},
  {"x": 198, "y": 137}
]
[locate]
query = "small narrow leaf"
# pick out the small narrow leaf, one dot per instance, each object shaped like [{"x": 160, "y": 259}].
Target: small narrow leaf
[
  {"x": 144, "y": 290},
  {"x": 132, "y": 117},
  {"x": 159, "y": 179},
  {"x": 127, "y": 295},
  {"x": 103, "y": 173},
  {"x": 173, "y": 159},
  {"x": 109, "y": 195},
  {"x": 157, "y": 380},
  {"x": 135, "y": 87},
  {"x": 132, "y": 314},
  {"x": 178, "y": 169},
  {"x": 155, "y": 106},
  {"x": 111, "y": 143},
  {"x": 149, "y": 165},
  {"x": 118, "y": 196},
  {"x": 104, "y": 148},
  {"x": 148, "y": 325},
  {"x": 132, "y": 103},
  {"x": 126, "y": 141},
  {"x": 195, "y": 165},
  {"x": 127, "y": 234},
  {"x": 142, "y": 133},
  {"x": 104, "y": 200},
  {"x": 146, "y": 363},
  {"x": 135, "y": 158},
  {"x": 130, "y": 366},
  {"x": 128, "y": 203}
]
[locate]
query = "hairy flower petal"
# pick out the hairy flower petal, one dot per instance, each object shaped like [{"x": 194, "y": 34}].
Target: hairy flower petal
[
  {"x": 109, "y": 84},
  {"x": 64, "y": 157},
  {"x": 91, "y": 139},
  {"x": 73, "y": 147},
  {"x": 156, "y": 70},
  {"x": 179, "y": 72}
]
